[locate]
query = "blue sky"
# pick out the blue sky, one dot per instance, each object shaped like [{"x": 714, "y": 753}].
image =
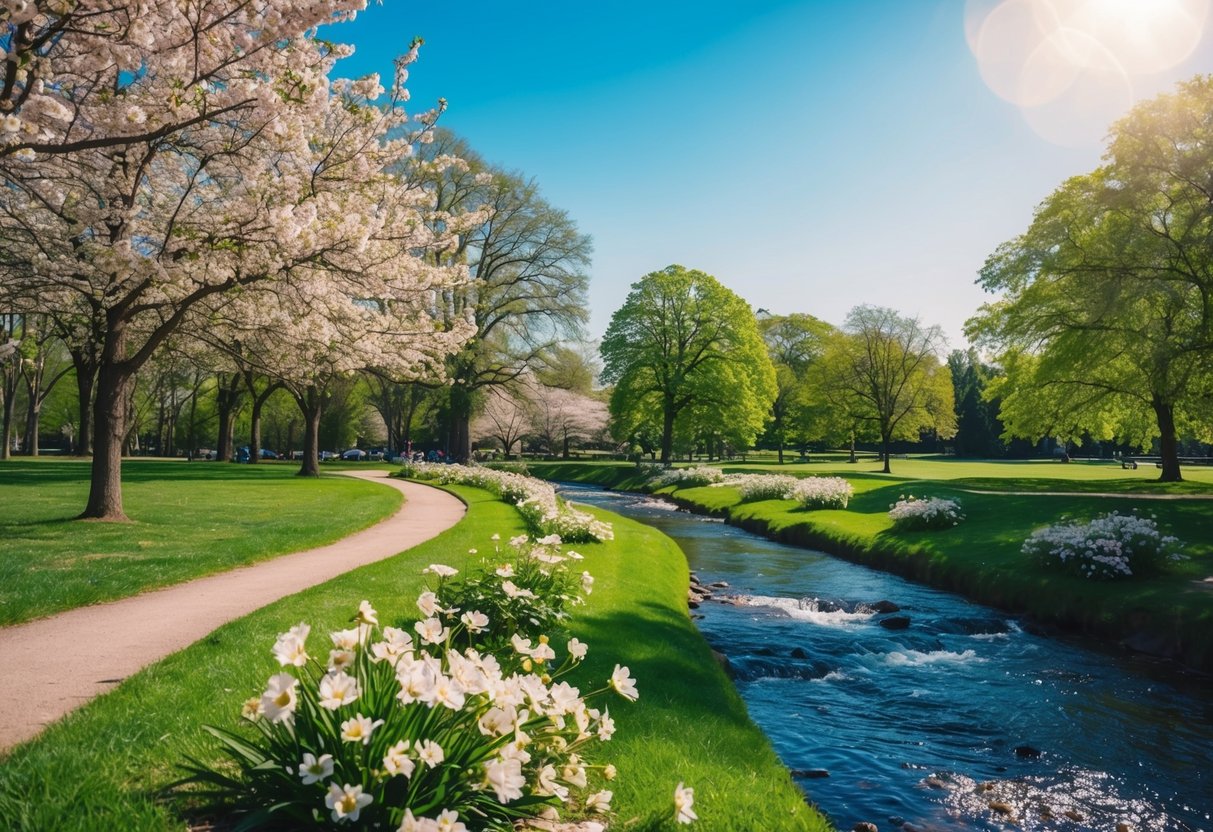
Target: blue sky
[{"x": 811, "y": 155}]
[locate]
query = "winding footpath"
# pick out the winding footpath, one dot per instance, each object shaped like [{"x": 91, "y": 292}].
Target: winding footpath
[{"x": 67, "y": 659}]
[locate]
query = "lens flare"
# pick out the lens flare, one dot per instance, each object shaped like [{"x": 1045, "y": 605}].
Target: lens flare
[{"x": 1069, "y": 65}]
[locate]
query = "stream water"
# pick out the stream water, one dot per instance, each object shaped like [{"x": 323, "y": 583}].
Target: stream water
[{"x": 962, "y": 720}]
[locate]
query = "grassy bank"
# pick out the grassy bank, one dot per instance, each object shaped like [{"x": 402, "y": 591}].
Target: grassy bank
[
  {"x": 1169, "y": 614},
  {"x": 101, "y": 767},
  {"x": 190, "y": 519}
]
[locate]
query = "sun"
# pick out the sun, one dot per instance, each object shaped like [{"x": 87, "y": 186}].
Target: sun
[{"x": 1061, "y": 61}]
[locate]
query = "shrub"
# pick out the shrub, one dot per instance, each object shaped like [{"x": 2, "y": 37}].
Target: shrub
[
  {"x": 1110, "y": 546},
  {"x": 920, "y": 514},
  {"x": 822, "y": 492},
  {"x": 525, "y": 589},
  {"x": 753, "y": 487},
  {"x": 686, "y": 477},
  {"x": 395, "y": 731}
]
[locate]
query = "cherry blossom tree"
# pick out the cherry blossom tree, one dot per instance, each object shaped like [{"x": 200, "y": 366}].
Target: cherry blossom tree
[
  {"x": 290, "y": 184},
  {"x": 564, "y": 417},
  {"x": 506, "y": 417}
]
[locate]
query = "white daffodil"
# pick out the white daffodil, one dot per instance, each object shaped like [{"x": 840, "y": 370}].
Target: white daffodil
[
  {"x": 427, "y": 602},
  {"x": 577, "y": 649},
  {"x": 609, "y": 772},
  {"x": 474, "y": 621},
  {"x": 624, "y": 684},
  {"x": 549, "y": 540},
  {"x": 315, "y": 769},
  {"x": 347, "y": 802},
  {"x": 359, "y": 729},
  {"x": 599, "y": 802},
  {"x": 397, "y": 760},
  {"x": 431, "y": 631},
  {"x": 279, "y": 700},
  {"x": 606, "y": 727},
  {"x": 684, "y": 799},
  {"x": 548, "y": 784},
  {"x": 506, "y": 570},
  {"x": 505, "y": 778},
  {"x": 337, "y": 689},
  {"x": 289, "y": 648},
  {"x": 448, "y": 821},
  {"x": 430, "y": 753},
  {"x": 340, "y": 659},
  {"x": 439, "y": 569},
  {"x": 366, "y": 614}
]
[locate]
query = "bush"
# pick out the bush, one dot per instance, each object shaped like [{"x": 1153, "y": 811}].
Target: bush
[
  {"x": 1108, "y": 547},
  {"x": 753, "y": 487},
  {"x": 920, "y": 514},
  {"x": 393, "y": 727},
  {"x": 822, "y": 492},
  {"x": 686, "y": 477}
]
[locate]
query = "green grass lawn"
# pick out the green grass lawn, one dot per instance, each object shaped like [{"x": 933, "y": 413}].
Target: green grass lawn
[
  {"x": 981, "y": 558},
  {"x": 101, "y": 767},
  {"x": 190, "y": 519}
]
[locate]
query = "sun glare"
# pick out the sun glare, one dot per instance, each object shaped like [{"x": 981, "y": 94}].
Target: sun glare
[{"x": 1069, "y": 65}]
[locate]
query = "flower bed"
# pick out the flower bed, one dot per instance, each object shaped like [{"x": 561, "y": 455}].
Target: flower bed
[
  {"x": 1108, "y": 547},
  {"x": 919, "y": 514},
  {"x": 433, "y": 726},
  {"x": 686, "y": 477},
  {"x": 822, "y": 492},
  {"x": 535, "y": 499},
  {"x": 752, "y": 487}
]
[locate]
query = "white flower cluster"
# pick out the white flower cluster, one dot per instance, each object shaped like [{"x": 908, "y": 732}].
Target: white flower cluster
[
  {"x": 822, "y": 492},
  {"x": 753, "y": 487},
  {"x": 1110, "y": 546},
  {"x": 914, "y": 513},
  {"x": 536, "y": 500},
  {"x": 394, "y": 720},
  {"x": 686, "y": 477}
]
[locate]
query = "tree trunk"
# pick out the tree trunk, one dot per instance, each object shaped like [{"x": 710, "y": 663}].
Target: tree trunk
[
  {"x": 667, "y": 432},
  {"x": 254, "y": 442},
  {"x": 884, "y": 441},
  {"x": 33, "y": 419},
  {"x": 1168, "y": 445},
  {"x": 781, "y": 447},
  {"x": 109, "y": 420},
  {"x": 9, "y": 394},
  {"x": 311, "y": 405},
  {"x": 227, "y": 399},
  {"x": 853, "y": 457},
  {"x": 86, "y": 382}
]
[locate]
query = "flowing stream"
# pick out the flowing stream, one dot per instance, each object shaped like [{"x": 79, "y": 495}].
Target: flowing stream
[{"x": 962, "y": 720}]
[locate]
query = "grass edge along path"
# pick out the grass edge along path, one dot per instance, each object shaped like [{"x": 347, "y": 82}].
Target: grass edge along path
[
  {"x": 1168, "y": 616},
  {"x": 100, "y": 768},
  {"x": 190, "y": 520}
]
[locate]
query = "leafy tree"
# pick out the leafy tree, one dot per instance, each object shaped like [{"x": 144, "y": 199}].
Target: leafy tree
[
  {"x": 884, "y": 370},
  {"x": 683, "y": 343},
  {"x": 793, "y": 342},
  {"x": 1106, "y": 321},
  {"x": 526, "y": 262},
  {"x": 978, "y": 428}
]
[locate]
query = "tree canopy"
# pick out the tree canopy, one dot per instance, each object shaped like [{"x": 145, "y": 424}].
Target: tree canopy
[
  {"x": 684, "y": 349},
  {"x": 883, "y": 370},
  {"x": 1106, "y": 321}
]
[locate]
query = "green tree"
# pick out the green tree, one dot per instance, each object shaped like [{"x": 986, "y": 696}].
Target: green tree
[
  {"x": 884, "y": 370},
  {"x": 1106, "y": 321},
  {"x": 680, "y": 343},
  {"x": 978, "y": 428},
  {"x": 793, "y": 342}
]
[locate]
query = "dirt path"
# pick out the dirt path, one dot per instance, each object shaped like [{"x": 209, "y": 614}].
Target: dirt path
[{"x": 65, "y": 660}]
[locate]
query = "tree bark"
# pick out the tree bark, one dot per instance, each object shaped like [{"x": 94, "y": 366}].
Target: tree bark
[
  {"x": 6, "y": 429},
  {"x": 667, "y": 431},
  {"x": 227, "y": 399},
  {"x": 109, "y": 420},
  {"x": 86, "y": 383},
  {"x": 311, "y": 403},
  {"x": 884, "y": 441},
  {"x": 1168, "y": 444},
  {"x": 459, "y": 441}
]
